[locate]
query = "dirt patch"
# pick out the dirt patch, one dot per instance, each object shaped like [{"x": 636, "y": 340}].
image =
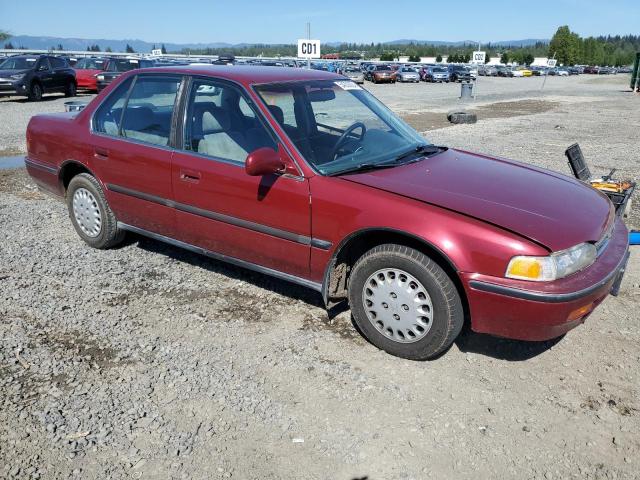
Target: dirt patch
[
  {"x": 425, "y": 121},
  {"x": 17, "y": 182},
  {"x": 11, "y": 152},
  {"x": 514, "y": 109}
]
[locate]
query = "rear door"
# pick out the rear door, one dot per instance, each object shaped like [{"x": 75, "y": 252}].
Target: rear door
[
  {"x": 60, "y": 73},
  {"x": 132, "y": 153},
  {"x": 45, "y": 74},
  {"x": 261, "y": 220}
]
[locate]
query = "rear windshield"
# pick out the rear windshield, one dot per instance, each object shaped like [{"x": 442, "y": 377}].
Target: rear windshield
[
  {"x": 90, "y": 64},
  {"x": 20, "y": 63},
  {"x": 126, "y": 64},
  {"x": 383, "y": 67},
  {"x": 439, "y": 70}
]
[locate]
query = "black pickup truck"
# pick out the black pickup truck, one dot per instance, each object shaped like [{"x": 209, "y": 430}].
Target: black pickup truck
[{"x": 34, "y": 75}]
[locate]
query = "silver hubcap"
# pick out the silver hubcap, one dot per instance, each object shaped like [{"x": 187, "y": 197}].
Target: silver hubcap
[
  {"x": 87, "y": 212},
  {"x": 398, "y": 305}
]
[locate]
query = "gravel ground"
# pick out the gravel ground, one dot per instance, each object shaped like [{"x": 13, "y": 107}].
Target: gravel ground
[{"x": 150, "y": 362}]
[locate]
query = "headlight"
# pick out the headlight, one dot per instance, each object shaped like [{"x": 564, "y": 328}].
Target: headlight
[
  {"x": 555, "y": 266},
  {"x": 18, "y": 76},
  {"x": 100, "y": 77}
]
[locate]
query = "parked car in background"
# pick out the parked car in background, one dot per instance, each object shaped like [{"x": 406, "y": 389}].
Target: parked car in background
[
  {"x": 574, "y": 70},
  {"x": 459, "y": 73},
  {"x": 338, "y": 195},
  {"x": 381, "y": 74},
  {"x": 87, "y": 69},
  {"x": 525, "y": 71},
  {"x": 488, "y": 70},
  {"x": 32, "y": 76},
  {"x": 407, "y": 74},
  {"x": 436, "y": 75},
  {"x": 354, "y": 74},
  {"x": 626, "y": 69},
  {"x": 116, "y": 67},
  {"x": 503, "y": 71},
  {"x": 473, "y": 71},
  {"x": 592, "y": 70},
  {"x": 516, "y": 72}
]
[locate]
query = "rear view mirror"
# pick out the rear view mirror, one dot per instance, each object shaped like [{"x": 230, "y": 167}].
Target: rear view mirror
[
  {"x": 323, "y": 95},
  {"x": 263, "y": 161}
]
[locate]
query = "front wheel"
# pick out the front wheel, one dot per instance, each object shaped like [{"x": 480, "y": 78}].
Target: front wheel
[
  {"x": 70, "y": 90},
  {"x": 90, "y": 213},
  {"x": 35, "y": 92},
  {"x": 404, "y": 303}
]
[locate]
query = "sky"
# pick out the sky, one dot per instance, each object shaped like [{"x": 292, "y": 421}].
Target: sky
[{"x": 284, "y": 21}]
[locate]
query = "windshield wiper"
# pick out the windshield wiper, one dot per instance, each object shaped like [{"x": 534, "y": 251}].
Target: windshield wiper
[
  {"x": 363, "y": 167},
  {"x": 424, "y": 150}
]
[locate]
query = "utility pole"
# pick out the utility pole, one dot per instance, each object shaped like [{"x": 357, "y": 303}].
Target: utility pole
[
  {"x": 308, "y": 38},
  {"x": 546, "y": 73}
]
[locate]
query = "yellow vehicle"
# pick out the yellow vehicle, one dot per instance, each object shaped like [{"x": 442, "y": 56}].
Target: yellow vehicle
[{"x": 525, "y": 72}]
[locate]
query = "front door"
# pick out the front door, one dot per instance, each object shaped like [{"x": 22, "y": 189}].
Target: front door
[{"x": 261, "y": 220}]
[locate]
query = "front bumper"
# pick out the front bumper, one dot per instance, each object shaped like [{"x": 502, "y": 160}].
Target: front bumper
[
  {"x": 541, "y": 311},
  {"x": 13, "y": 87}
]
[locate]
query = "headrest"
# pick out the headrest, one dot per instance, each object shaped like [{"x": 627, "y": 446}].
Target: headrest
[
  {"x": 277, "y": 112},
  {"x": 216, "y": 118},
  {"x": 138, "y": 118}
]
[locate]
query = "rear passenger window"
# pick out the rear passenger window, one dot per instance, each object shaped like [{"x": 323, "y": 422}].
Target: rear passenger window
[
  {"x": 147, "y": 115},
  {"x": 57, "y": 62},
  {"x": 108, "y": 116}
]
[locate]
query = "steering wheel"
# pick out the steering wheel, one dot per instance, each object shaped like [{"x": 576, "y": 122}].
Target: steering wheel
[{"x": 343, "y": 138}]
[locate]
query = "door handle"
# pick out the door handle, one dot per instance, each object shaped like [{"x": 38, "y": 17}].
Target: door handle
[
  {"x": 190, "y": 176},
  {"x": 101, "y": 153}
]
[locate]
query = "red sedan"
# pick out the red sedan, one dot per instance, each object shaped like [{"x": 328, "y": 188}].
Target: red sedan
[
  {"x": 304, "y": 175},
  {"x": 86, "y": 71}
]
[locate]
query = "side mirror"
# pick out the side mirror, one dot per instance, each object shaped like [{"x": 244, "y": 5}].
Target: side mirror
[{"x": 263, "y": 161}]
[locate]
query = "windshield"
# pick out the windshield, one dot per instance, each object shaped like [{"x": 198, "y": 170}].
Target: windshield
[
  {"x": 439, "y": 70},
  {"x": 337, "y": 125},
  {"x": 20, "y": 63},
  {"x": 90, "y": 64}
]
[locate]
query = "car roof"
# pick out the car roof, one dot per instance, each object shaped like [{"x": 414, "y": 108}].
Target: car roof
[{"x": 250, "y": 74}]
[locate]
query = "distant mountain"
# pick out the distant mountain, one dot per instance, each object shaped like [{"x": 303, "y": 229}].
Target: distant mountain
[
  {"x": 514, "y": 43},
  {"x": 45, "y": 43}
]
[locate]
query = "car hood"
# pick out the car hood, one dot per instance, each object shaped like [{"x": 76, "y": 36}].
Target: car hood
[
  {"x": 7, "y": 73},
  {"x": 551, "y": 209}
]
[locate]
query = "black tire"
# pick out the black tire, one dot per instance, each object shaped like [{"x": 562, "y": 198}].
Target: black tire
[
  {"x": 448, "y": 315},
  {"x": 462, "y": 117},
  {"x": 109, "y": 235},
  {"x": 35, "y": 92},
  {"x": 70, "y": 90}
]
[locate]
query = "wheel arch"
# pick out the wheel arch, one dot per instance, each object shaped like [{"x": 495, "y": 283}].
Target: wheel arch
[
  {"x": 68, "y": 170},
  {"x": 352, "y": 247}
]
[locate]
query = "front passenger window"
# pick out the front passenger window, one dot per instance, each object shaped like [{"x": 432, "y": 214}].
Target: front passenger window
[{"x": 221, "y": 124}]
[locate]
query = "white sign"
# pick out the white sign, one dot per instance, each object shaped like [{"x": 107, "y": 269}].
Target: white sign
[
  {"x": 478, "y": 57},
  {"x": 552, "y": 62},
  {"x": 156, "y": 51},
  {"x": 308, "y": 48}
]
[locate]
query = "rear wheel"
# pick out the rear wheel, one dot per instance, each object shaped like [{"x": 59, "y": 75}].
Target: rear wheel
[
  {"x": 90, "y": 213},
  {"x": 404, "y": 303},
  {"x": 35, "y": 92}
]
